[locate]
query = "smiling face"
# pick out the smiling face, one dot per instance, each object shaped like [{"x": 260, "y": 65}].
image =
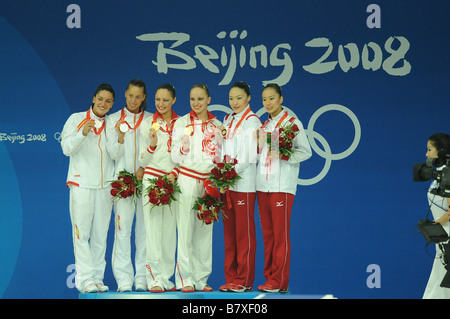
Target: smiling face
[
  {"x": 134, "y": 96},
  {"x": 102, "y": 103},
  {"x": 238, "y": 99},
  {"x": 164, "y": 101},
  {"x": 272, "y": 101},
  {"x": 199, "y": 101}
]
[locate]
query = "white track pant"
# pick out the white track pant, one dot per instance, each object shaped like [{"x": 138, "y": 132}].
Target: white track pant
[
  {"x": 122, "y": 265},
  {"x": 161, "y": 241},
  {"x": 90, "y": 213},
  {"x": 194, "y": 259}
]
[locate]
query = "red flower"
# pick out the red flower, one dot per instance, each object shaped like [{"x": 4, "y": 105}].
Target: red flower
[
  {"x": 216, "y": 173},
  {"x": 206, "y": 214},
  {"x": 160, "y": 183},
  {"x": 228, "y": 175},
  {"x": 227, "y": 159},
  {"x": 153, "y": 200},
  {"x": 127, "y": 179},
  {"x": 165, "y": 200}
]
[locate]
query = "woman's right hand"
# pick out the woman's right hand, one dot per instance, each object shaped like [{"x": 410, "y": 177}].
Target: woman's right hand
[
  {"x": 87, "y": 127},
  {"x": 186, "y": 143},
  {"x": 153, "y": 137}
]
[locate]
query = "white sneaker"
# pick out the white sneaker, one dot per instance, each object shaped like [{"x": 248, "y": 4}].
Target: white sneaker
[
  {"x": 141, "y": 287},
  {"x": 101, "y": 287},
  {"x": 239, "y": 288},
  {"x": 91, "y": 288},
  {"x": 124, "y": 289}
]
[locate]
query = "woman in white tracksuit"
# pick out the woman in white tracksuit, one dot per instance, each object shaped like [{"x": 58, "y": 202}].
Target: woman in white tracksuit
[
  {"x": 437, "y": 146},
  {"x": 90, "y": 170},
  {"x": 123, "y": 134},
  {"x": 160, "y": 222},
  {"x": 194, "y": 147}
]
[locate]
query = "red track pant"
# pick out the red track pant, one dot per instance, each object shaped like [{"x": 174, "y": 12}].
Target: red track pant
[
  {"x": 240, "y": 240},
  {"x": 275, "y": 215}
]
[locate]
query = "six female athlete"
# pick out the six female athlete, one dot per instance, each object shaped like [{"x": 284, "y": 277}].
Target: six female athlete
[{"x": 181, "y": 149}]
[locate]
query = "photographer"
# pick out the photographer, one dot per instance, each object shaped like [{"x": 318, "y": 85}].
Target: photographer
[{"x": 438, "y": 146}]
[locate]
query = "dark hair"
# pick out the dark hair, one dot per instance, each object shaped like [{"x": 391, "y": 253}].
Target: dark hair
[
  {"x": 141, "y": 84},
  {"x": 105, "y": 87},
  {"x": 241, "y": 85},
  {"x": 442, "y": 143},
  {"x": 169, "y": 87},
  {"x": 274, "y": 86},
  {"x": 201, "y": 86}
]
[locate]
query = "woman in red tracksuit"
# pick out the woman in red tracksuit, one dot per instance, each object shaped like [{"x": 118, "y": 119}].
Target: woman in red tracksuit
[
  {"x": 276, "y": 185},
  {"x": 239, "y": 142}
]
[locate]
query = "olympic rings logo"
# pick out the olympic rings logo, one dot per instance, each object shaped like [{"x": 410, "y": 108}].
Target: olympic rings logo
[{"x": 313, "y": 136}]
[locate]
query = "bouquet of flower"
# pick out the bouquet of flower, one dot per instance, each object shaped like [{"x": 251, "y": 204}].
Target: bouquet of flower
[
  {"x": 162, "y": 191},
  {"x": 126, "y": 185},
  {"x": 208, "y": 207},
  {"x": 285, "y": 139},
  {"x": 224, "y": 175}
]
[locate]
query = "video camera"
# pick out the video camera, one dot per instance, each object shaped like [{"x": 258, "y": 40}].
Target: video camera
[{"x": 424, "y": 171}]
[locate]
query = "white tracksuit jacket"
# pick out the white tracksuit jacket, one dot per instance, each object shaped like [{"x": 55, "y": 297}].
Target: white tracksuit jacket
[
  {"x": 194, "y": 261},
  {"x": 126, "y": 156},
  {"x": 90, "y": 165},
  {"x": 240, "y": 143},
  {"x": 202, "y": 143},
  {"x": 281, "y": 175},
  {"x": 158, "y": 160}
]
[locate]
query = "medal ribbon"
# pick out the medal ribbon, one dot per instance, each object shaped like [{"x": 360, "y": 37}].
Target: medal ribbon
[
  {"x": 88, "y": 118},
  {"x": 123, "y": 116},
  {"x": 238, "y": 124},
  {"x": 169, "y": 127}
]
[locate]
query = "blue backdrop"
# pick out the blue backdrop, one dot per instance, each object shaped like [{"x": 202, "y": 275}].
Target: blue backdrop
[{"x": 369, "y": 80}]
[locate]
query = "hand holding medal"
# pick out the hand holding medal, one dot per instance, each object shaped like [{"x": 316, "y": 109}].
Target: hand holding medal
[
  {"x": 88, "y": 126},
  {"x": 152, "y": 134},
  {"x": 123, "y": 127}
]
